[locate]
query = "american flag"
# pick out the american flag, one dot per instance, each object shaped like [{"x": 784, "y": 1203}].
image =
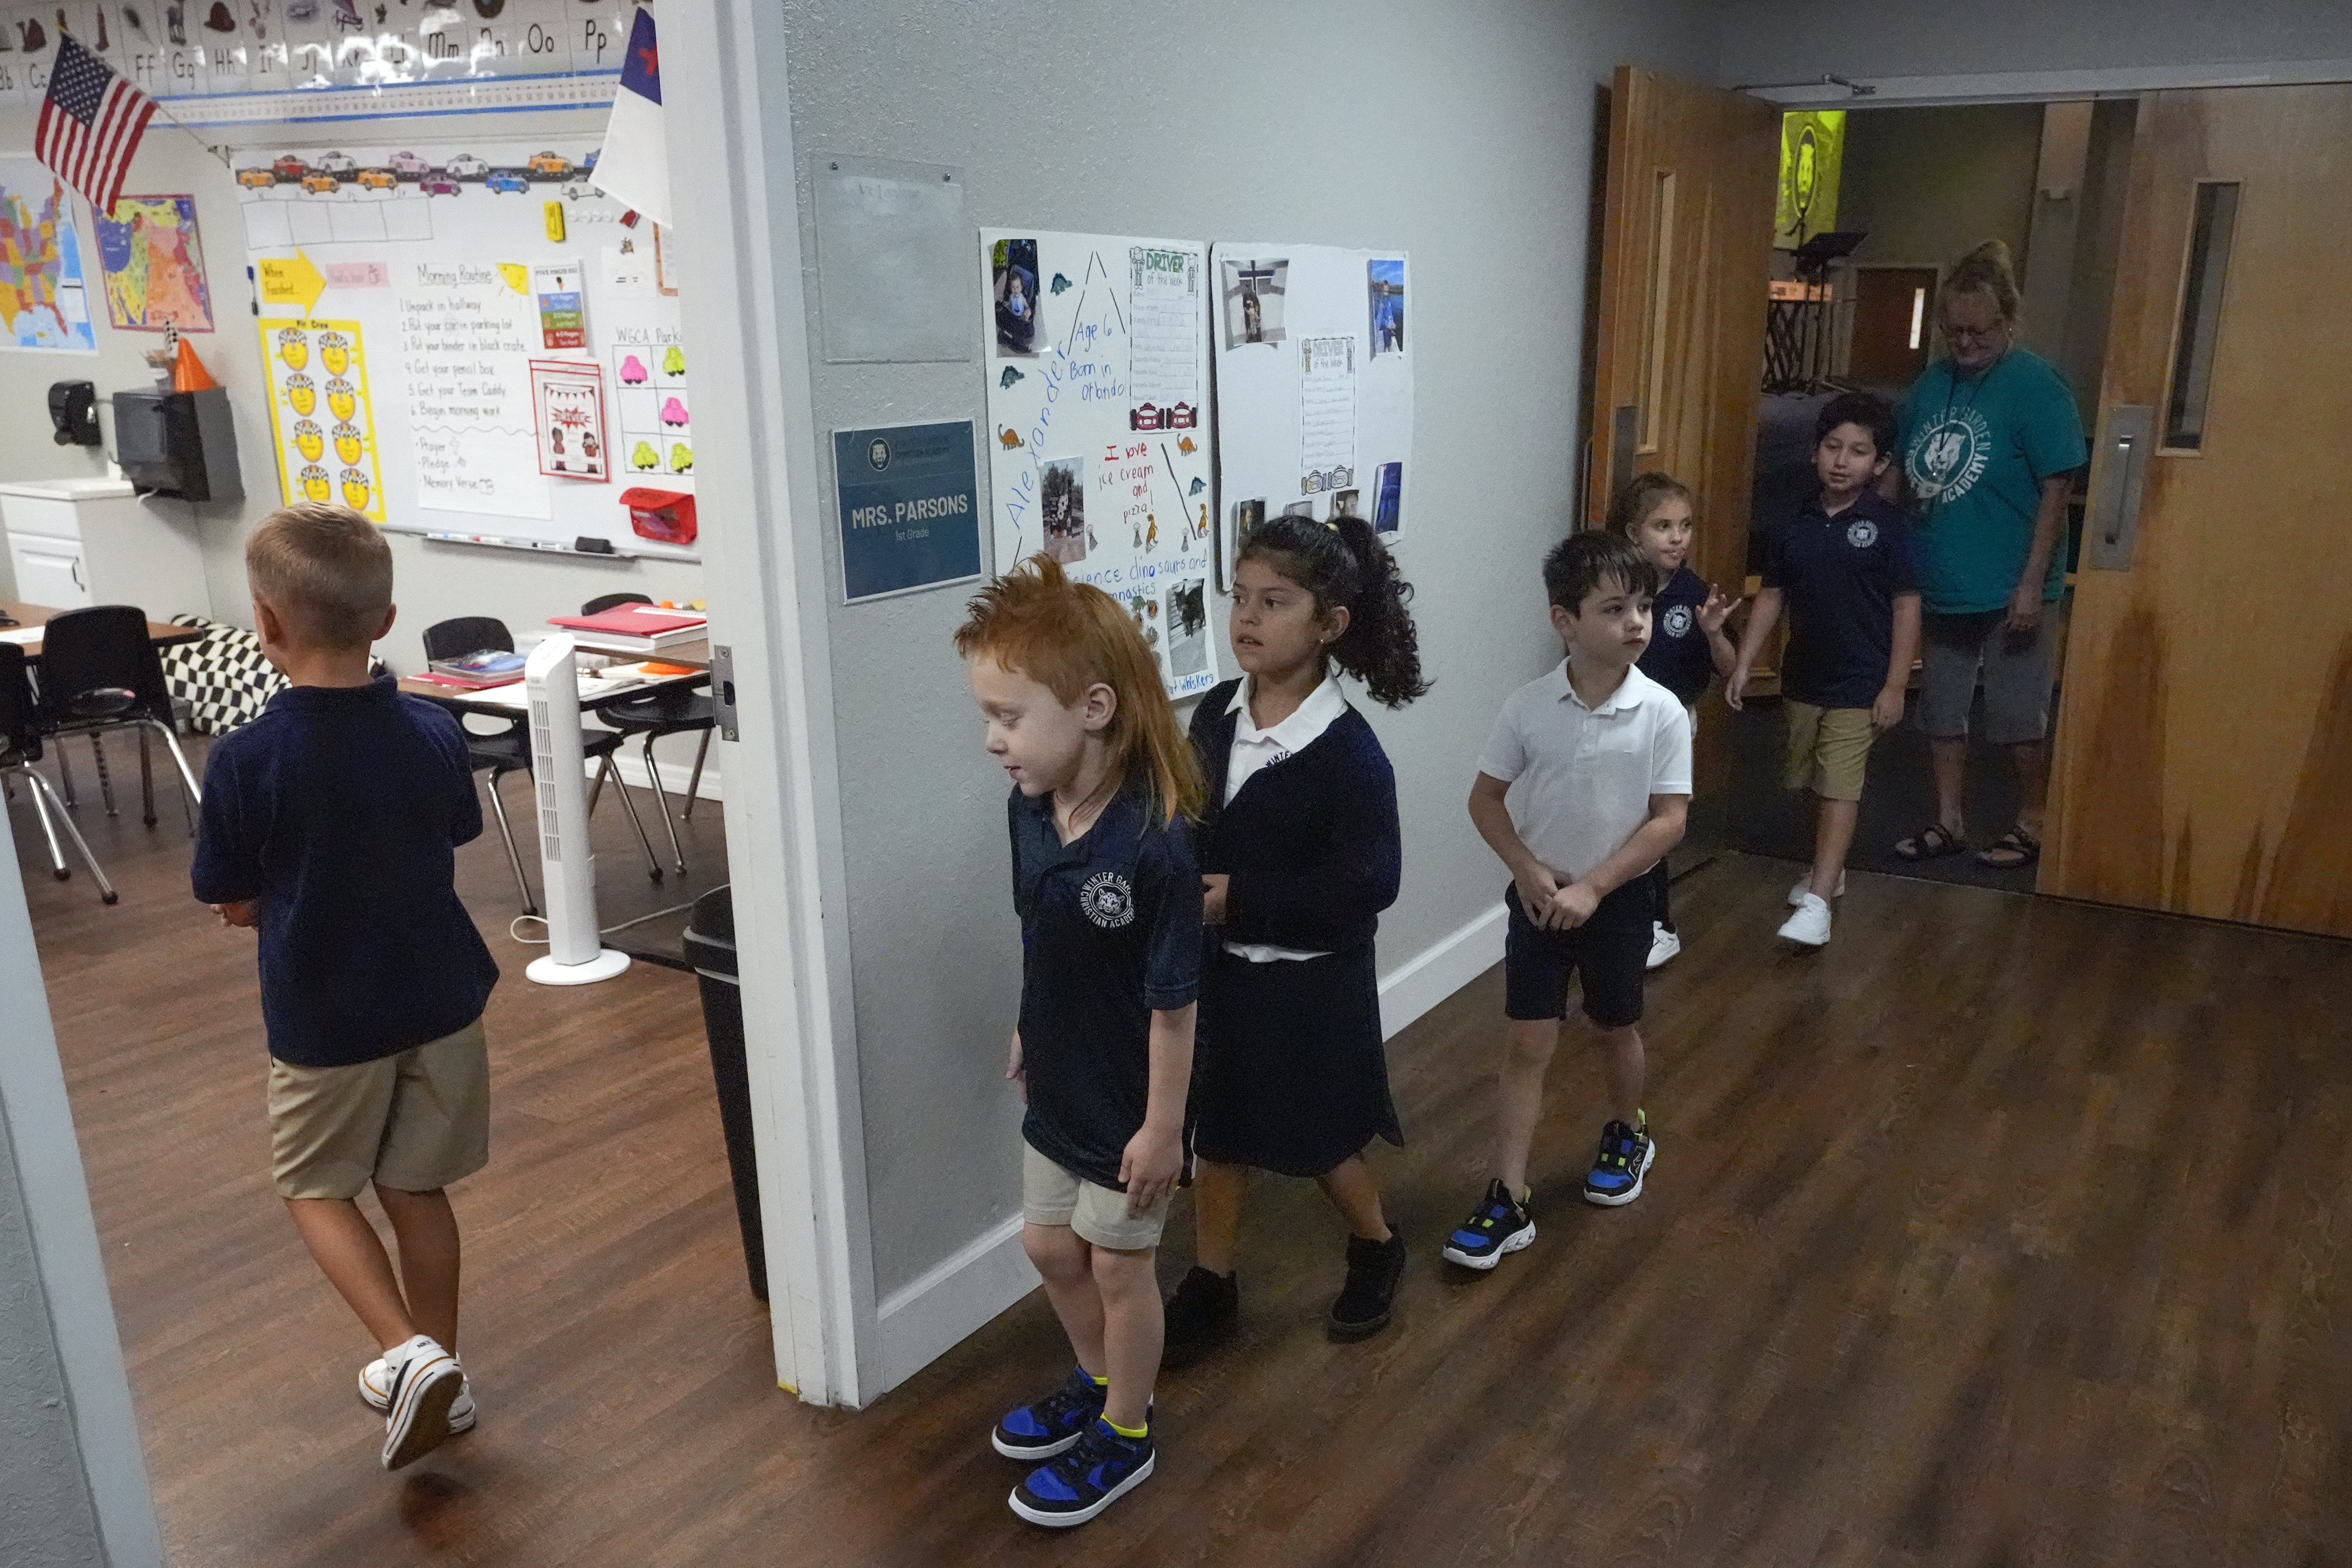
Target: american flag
[{"x": 90, "y": 124}]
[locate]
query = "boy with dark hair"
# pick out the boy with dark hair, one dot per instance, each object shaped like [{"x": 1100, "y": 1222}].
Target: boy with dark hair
[
  {"x": 1583, "y": 788},
  {"x": 1846, "y": 566},
  {"x": 331, "y": 826}
]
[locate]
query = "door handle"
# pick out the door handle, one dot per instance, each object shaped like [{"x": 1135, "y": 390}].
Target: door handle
[{"x": 2118, "y": 481}]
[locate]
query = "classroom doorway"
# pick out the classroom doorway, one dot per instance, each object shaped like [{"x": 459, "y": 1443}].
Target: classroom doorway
[{"x": 1721, "y": 334}]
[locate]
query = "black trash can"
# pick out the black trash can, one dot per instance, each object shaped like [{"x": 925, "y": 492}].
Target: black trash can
[{"x": 711, "y": 948}]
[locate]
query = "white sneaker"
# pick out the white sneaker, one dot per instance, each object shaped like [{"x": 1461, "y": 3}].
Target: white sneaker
[
  {"x": 1663, "y": 944},
  {"x": 375, "y": 1393},
  {"x": 1810, "y": 926},
  {"x": 426, "y": 1382},
  {"x": 1805, "y": 885}
]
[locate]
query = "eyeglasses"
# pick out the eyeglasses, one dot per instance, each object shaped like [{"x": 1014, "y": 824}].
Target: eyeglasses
[{"x": 1974, "y": 334}]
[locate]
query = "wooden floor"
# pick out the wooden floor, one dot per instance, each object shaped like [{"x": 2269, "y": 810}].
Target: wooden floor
[{"x": 2002, "y": 1232}]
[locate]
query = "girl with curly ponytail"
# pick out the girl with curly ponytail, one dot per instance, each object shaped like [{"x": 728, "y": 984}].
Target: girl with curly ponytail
[{"x": 1300, "y": 853}]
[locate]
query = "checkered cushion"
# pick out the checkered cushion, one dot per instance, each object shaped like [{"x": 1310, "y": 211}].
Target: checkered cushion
[{"x": 224, "y": 679}]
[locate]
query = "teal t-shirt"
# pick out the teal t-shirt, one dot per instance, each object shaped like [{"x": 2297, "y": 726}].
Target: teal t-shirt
[{"x": 1976, "y": 450}]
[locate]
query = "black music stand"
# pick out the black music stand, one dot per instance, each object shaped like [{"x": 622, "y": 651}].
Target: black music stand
[{"x": 1797, "y": 331}]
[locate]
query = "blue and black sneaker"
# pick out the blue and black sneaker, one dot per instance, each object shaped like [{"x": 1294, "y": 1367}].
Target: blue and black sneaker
[
  {"x": 1103, "y": 1468},
  {"x": 1045, "y": 1428},
  {"x": 1625, "y": 1154},
  {"x": 1499, "y": 1225}
]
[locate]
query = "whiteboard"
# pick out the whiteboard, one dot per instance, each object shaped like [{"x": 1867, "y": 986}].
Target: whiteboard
[
  {"x": 1314, "y": 385},
  {"x": 522, "y": 354}
]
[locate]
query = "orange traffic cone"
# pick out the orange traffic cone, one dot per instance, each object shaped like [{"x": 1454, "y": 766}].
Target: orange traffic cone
[{"x": 188, "y": 372}]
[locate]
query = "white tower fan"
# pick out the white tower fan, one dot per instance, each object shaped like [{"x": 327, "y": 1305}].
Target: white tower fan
[{"x": 575, "y": 955}]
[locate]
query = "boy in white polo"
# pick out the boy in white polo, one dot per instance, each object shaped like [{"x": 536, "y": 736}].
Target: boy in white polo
[{"x": 1583, "y": 786}]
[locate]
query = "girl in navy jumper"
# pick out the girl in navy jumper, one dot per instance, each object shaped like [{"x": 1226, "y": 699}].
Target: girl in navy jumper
[{"x": 1298, "y": 851}]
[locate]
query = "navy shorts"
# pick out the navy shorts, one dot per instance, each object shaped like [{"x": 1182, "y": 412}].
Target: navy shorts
[{"x": 1610, "y": 953}]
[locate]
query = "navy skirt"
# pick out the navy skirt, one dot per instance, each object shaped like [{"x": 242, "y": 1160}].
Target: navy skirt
[{"x": 1289, "y": 1074}]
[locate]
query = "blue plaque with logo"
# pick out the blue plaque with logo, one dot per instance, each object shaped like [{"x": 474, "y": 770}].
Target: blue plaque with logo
[{"x": 909, "y": 508}]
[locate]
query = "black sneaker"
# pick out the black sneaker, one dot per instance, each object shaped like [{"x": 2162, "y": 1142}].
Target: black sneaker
[
  {"x": 1202, "y": 1315},
  {"x": 1374, "y": 1268},
  {"x": 1615, "y": 1178},
  {"x": 1499, "y": 1225},
  {"x": 1047, "y": 1426},
  {"x": 1101, "y": 1469}
]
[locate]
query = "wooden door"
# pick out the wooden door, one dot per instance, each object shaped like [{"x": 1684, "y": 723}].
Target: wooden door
[
  {"x": 1684, "y": 287},
  {"x": 2204, "y": 756},
  {"x": 1894, "y": 320},
  {"x": 1685, "y": 270}
]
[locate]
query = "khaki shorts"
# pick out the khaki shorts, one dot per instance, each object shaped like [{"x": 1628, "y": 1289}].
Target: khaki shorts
[
  {"x": 414, "y": 1122},
  {"x": 1052, "y": 1195},
  {"x": 1829, "y": 749}
]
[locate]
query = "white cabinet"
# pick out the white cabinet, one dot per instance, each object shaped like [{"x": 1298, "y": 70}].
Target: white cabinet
[
  {"x": 49, "y": 571},
  {"x": 77, "y": 542}
]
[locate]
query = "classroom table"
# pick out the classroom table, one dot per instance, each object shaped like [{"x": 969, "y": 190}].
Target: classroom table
[{"x": 29, "y": 617}]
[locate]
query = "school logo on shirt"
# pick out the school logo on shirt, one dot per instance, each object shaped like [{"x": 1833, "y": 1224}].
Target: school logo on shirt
[
  {"x": 1947, "y": 457},
  {"x": 1677, "y": 620},
  {"x": 1107, "y": 900},
  {"x": 1862, "y": 533}
]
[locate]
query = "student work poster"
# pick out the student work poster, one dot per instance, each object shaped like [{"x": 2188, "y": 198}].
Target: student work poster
[
  {"x": 1315, "y": 347},
  {"x": 1099, "y": 414}
]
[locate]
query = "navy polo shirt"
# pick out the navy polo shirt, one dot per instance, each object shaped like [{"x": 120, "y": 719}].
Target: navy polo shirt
[
  {"x": 1839, "y": 578},
  {"x": 342, "y": 809},
  {"x": 1110, "y": 932},
  {"x": 1678, "y": 657}
]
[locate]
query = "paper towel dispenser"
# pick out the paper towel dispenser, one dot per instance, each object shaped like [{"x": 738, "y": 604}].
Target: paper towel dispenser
[{"x": 178, "y": 444}]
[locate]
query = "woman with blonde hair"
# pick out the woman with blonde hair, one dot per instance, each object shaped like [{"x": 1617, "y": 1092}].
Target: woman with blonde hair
[{"x": 1991, "y": 441}]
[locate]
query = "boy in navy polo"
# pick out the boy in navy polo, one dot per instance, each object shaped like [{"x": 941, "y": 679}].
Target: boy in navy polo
[
  {"x": 331, "y": 826},
  {"x": 1847, "y": 567}
]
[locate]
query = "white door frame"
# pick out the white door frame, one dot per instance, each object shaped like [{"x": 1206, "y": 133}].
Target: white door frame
[{"x": 732, "y": 173}]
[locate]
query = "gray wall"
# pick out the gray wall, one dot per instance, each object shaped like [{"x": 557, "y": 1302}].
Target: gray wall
[
  {"x": 46, "y": 1514},
  {"x": 1767, "y": 41},
  {"x": 1462, "y": 134},
  {"x": 434, "y": 580},
  {"x": 73, "y": 1480}
]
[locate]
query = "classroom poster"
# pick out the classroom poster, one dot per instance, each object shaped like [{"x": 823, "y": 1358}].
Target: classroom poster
[
  {"x": 1098, "y": 412},
  {"x": 1314, "y": 386},
  {"x": 573, "y": 443},
  {"x": 655, "y": 405},
  {"x": 321, "y": 421}
]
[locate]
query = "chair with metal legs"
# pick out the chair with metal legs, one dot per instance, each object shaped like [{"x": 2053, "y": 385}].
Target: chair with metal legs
[
  {"x": 100, "y": 672},
  {"x": 20, "y": 747},
  {"x": 508, "y": 750},
  {"x": 669, "y": 711}
]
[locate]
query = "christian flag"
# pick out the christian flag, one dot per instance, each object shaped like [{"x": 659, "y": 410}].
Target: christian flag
[
  {"x": 90, "y": 124},
  {"x": 633, "y": 167}
]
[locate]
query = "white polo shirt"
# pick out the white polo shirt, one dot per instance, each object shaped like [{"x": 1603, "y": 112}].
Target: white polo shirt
[
  {"x": 1254, "y": 748},
  {"x": 1582, "y": 777}
]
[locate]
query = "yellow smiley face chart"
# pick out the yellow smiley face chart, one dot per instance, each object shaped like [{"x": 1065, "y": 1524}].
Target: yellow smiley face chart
[{"x": 323, "y": 453}]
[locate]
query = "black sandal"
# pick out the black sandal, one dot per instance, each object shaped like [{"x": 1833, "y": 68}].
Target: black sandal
[
  {"x": 2013, "y": 851},
  {"x": 1931, "y": 845}
]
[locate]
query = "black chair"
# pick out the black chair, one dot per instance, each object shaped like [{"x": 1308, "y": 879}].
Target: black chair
[
  {"x": 673, "y": 710},
  {"x": 20, "y": 747},
  {"x": 99, "y": 671},
  {"x": 507, "y": 749}
]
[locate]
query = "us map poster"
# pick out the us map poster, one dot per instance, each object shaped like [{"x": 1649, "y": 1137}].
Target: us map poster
[
  {"x": 321, "y": 422},
  {"x": 1314, "y": 384},
  {"x": 1099, "y": 418}
]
